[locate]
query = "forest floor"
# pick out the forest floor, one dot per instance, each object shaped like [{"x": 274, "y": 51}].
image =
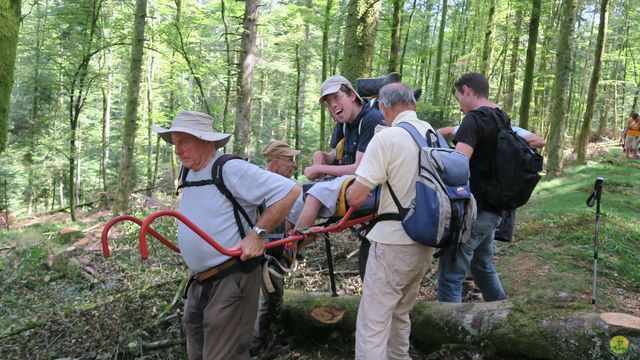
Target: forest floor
[{"x": 62, "y": 299}]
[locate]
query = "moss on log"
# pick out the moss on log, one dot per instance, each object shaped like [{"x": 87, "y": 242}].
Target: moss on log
[{"x": 507, "y": 328}]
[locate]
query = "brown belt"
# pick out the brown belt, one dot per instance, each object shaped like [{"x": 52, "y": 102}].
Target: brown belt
[{"x": 204, "y": 275}]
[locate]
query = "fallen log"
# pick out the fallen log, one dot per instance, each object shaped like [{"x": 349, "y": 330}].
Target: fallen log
[{"x": 509, "y": 328}]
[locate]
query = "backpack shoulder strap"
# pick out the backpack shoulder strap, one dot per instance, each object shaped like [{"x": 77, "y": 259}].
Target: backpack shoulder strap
[
  {"x": 218, "y": 181},
  {"x": 422, "y": 143},
  {"x": 432, "y": 139},
  {"x": 182, "y": 175},
  {"x": 502, "y": 122},
  {"x": 417, "y": 137}
]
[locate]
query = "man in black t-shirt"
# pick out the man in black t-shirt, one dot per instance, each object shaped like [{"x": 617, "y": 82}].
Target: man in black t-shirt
[{"x": 477, "y": 139}]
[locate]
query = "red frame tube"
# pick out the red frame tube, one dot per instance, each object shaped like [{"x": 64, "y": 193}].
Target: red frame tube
[
  {"x": 112, "y": 222},
  {"x": 344, "y": 223}
]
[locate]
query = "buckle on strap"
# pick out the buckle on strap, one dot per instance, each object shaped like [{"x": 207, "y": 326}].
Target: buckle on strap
[{"x": 204, "y": 275}]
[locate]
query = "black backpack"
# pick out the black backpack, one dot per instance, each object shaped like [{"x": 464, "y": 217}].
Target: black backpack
[
  {"x": 218, "y": 181},
  {"x": 515, "y": 167}
]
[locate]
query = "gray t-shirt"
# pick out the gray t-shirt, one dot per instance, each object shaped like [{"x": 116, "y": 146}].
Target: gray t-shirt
[{"x": 211, "y": 211}]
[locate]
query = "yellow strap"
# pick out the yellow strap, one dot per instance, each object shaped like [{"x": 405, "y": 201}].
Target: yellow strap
[
  {"x": 340, "y": 149},
  {"x": 342, "y": 207}
]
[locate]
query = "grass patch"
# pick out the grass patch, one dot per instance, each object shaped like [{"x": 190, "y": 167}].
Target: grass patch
[{"x": 556, "y": 232}]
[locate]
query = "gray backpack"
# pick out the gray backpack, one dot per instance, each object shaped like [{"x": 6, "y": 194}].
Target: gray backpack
[{"x": 443, "y": 211}]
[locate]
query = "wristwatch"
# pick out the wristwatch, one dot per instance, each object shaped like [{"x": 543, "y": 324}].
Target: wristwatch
[{"x": 262, "y": 233}]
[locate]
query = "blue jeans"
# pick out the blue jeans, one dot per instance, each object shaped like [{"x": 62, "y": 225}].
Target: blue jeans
[{"x": 477, "y": 252}]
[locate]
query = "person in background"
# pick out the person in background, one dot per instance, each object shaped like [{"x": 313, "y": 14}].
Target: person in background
[
  {"x": 396, "y": 263},
  {"x": 477, "y": 139},
  {"x": 631, "y": 136},
  {"x": 504, "y": 230},
  {"x": 281, "y": 159}
]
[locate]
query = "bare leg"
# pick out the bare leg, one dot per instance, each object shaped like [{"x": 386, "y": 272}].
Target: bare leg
[{"x": 307, "y": 217}]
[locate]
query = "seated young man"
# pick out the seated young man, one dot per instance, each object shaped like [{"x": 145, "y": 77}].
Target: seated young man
[{"x": 356, "y": 123}]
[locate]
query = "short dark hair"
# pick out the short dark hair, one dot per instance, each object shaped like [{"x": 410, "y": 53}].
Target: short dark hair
[
  {"x": 475, "y": 81},
  {"x": 634, "y": 115}
]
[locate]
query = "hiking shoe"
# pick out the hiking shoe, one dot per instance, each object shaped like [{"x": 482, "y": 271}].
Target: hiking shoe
[
  {"x": 476, "y": 295},
  {"x": 468, "y": 284}
]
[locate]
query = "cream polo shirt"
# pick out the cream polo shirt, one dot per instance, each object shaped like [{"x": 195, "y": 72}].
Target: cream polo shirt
[{"x": 392, "y": 155}]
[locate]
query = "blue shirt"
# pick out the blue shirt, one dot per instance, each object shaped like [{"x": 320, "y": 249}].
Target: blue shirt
[{"x": 358, "y": 133}]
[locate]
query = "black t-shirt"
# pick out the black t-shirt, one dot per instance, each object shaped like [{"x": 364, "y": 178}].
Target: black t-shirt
[
  {"x": 358, "y": 133},
  {"x": 480, "y": 131}
]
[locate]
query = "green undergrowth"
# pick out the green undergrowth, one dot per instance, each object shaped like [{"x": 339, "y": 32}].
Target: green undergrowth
[
  {"x": 65, "y": 301},
  {"x": 553, "y": 255}
]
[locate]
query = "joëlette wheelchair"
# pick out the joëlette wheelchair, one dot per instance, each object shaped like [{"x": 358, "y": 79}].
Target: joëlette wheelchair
[{"x": 358, "y": 220}]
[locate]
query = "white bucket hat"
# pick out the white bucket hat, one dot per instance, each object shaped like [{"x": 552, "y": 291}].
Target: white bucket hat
[{"x": 195, "y": 123}]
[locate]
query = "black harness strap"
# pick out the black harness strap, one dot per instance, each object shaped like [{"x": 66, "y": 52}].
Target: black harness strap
[{"x": 218, "y": 181}]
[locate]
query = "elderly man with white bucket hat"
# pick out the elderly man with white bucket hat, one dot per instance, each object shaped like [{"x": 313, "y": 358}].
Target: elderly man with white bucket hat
[{"x": 222, "y": 296}]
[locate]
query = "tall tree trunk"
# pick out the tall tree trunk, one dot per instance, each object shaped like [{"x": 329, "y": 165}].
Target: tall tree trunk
[
  {"x": 396, "y": 26},
  {"x": 297, "y": 105},
  {"x": 182, "y": 50},
  {"x": 527, "y": 83},
  {"x": 229, "y": 65},
  {"x": 595, "y": 78},
  {"x": 487, "y": 49},
  {"x": 151, "y": 180},
  {"x": 78, "y": 93},
  {"x": 126, "y": 179},
  {"x": 513, "y": 64},
  {"x": 325, "y": 69},
  {"x": 106, "y": 119},
  {"x": 560, "y": 88},
  {"x": 9, "y": 26},
  {"x": 78, "y": 165},
  {"x": 453, "y": 52},
  {"x": 579, "y": 111},
  {"x": 436, "y": 80},
  {"x": 602, "y": 123},
  {"x": 242, "y": 131},
  {"x": 35, "y": 108},
  {"x": 359, "y": 38},
  {"x": 406, "y": 35}
]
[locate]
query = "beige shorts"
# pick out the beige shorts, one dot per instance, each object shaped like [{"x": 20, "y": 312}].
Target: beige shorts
[{"x": 631, "y": 143}]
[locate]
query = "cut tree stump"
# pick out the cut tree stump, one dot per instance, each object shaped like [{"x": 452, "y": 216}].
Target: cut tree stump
[{"x": 510, "y": 329}]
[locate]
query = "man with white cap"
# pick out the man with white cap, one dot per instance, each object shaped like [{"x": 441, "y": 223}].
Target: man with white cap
[
  {"x": 356, "y": 123},
  {"x": 222, "y": 298}
]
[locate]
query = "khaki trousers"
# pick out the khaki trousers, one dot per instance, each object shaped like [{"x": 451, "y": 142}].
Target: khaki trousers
[
  {"x": 389, "y": 292},
  {"x": 219, "y": 325}
]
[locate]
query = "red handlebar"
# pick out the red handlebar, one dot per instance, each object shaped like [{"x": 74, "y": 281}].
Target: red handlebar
[
  {"x": 107, "y": 227},
  {"x": 145, "y": 228}
]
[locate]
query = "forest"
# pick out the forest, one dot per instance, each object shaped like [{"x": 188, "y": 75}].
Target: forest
[
  {"x": 92, "y": 76},
  {"x": 82, "y": 81}
]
